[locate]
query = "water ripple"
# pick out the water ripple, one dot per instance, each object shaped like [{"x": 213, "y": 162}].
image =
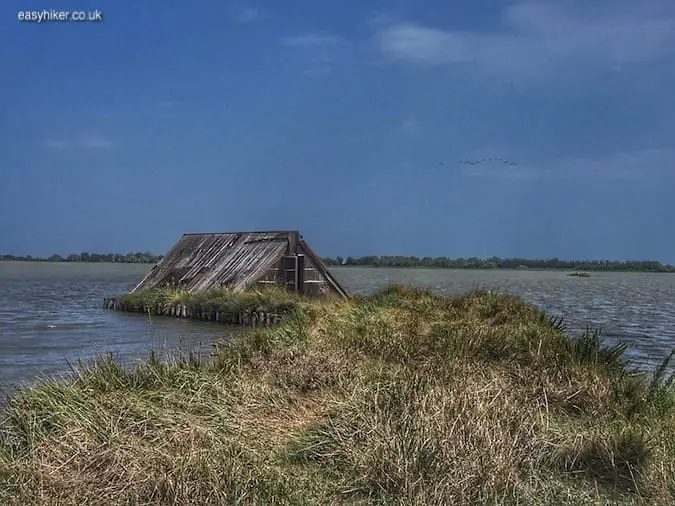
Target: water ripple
[{"x": 51, "y": 314}]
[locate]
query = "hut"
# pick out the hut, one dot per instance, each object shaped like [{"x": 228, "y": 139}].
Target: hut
[{"x": 243, "y": 260}]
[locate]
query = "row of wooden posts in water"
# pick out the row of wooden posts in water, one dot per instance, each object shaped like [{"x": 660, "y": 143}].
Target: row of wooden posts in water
[{"x": 254, "y": 318}]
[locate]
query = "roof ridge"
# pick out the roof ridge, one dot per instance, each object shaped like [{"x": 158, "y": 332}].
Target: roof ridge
[{"x": 245, "y": 232}]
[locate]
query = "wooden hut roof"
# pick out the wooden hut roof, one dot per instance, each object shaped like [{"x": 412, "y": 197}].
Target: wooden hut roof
[{"x": 209, "y": 260}]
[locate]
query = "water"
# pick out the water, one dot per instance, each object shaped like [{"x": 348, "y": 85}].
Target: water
[{"x": 50, "y": 314}]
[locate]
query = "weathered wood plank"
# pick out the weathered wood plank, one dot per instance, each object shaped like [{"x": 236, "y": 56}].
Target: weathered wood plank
[
  {"x": 238, "y": 260},
  {"x": 254, "y": 319}
]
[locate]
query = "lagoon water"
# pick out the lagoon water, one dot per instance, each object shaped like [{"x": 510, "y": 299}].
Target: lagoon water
[{"x": 51, "y": 315}]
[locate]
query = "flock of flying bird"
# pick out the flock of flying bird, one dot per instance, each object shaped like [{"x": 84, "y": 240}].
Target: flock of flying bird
[
  {"x": 499, "y": 159},
  {"x": 485, "y": 160}
]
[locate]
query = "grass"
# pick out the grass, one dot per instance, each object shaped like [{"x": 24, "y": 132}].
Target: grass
[
  {"x": 397, "y": 398},
  {"x": 229, "y": 304}
]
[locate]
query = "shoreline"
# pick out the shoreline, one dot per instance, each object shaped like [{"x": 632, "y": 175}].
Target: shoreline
[
  {"x": 425, "y": 267},
  {"x": 495, "y": 269},
  {"x": 65, "y": 262}
]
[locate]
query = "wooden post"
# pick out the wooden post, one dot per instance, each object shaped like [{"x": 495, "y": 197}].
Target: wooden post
[
  {"x": 300, "y": 274},
  {"x": 254, "y": 319},
  {"x": 293, "y": 244}
]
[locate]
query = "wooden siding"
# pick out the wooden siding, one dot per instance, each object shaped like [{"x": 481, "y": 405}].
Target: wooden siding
[
  {"x": 203, "y": 261},
  {"x": 317, "y": 278},
  {"x": 200, "y": 262}
]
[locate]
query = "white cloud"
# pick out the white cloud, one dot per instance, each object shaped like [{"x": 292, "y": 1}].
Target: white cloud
[
  {"x": 311, "y": 40},
  {"x": 316, "y": 52},
  {"x": 247, "y": 15},
  {"x": 536, "y": 36},
  {"x": 638, "y": 165}
]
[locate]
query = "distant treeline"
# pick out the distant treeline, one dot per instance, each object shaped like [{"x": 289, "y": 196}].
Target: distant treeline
[
  {"x": 399, "y": 261},
  {"x": 503, "y": 263},
  {"x": 129, "y": 258}
]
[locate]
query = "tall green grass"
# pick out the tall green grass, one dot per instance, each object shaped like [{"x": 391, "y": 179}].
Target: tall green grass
[
  {"x": 397, "y": 398},
  {"x": 228, "y": 303}
]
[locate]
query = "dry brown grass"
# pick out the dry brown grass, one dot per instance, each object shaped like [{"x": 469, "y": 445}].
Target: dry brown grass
[{"x": 399, "y": 398}]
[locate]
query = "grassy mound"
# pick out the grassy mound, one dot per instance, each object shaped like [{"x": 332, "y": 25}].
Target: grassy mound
[{"x": 398, "y": 398}]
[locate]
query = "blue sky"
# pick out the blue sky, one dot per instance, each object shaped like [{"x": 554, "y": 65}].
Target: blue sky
[{"x": 345, "y": 120}]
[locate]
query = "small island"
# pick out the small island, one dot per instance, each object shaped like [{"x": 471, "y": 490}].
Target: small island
[
  {"x": 579, "y": 274},
  {"x": 401, "y": 397}
]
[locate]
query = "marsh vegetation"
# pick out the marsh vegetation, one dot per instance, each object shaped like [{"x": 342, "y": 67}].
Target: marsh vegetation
[{"x": 401, "y": 397}]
